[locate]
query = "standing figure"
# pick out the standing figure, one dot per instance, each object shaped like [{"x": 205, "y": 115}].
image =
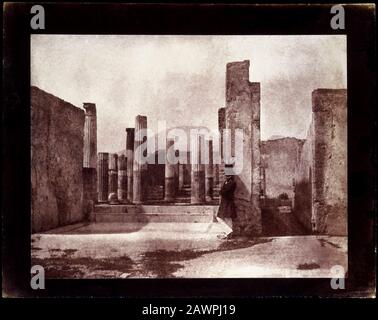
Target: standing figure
[{"x": 227, "y": 210}]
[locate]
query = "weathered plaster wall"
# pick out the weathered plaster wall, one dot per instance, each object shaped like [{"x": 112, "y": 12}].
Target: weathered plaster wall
[
  {"x": 243, "y": 112},
  {"x": 56, "y": 161},
  {"x": 279, "y": 159},
  {"x": 321, "y": 179}
]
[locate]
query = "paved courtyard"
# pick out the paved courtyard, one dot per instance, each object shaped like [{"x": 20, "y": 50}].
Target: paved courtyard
[{"x": 189, "y": 250}]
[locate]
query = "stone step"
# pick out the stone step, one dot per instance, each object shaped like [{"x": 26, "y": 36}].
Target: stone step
[
  {"x": 140, "y": 230},
  {"x": 184, "y": 194},
  {"x": 153, "y": 217},
  {"x": 159, "y": 208},
  {"x": 181, "y": 198}
]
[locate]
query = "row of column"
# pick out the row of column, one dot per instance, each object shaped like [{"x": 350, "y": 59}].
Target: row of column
[
  {"x": 202, "y": 175},
  {"x": 112, "y": 181},
  {"x": 123, "y": 178}
]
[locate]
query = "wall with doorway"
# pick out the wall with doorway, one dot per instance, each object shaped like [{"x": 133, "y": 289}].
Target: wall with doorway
[{"x": 279, "y": 159}]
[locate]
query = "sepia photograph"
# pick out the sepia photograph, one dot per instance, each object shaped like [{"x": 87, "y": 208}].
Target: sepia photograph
[
  {"x": 217, "y": 152},
  {"x": 189, "y": 156}
]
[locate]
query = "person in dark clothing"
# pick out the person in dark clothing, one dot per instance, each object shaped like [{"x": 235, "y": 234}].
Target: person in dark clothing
[{"x": 227, "y": 210}]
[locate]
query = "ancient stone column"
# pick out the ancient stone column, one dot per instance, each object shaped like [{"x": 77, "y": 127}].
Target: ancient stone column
[
  {"x": 139, "y": 168},
  {"x": 187, "y": 168},
  {"x": 198, "y": 172},
  {"x": 176, "y": 179},
  {"x": 209, "y": 171},
  {"x": 216, "y": 174},
  {"x": 90, "y": 196},
  {"x": 90, "y": 136},
  {"x": 181, "y": 176},
  {"x": 130, "y": 161},
  {"x": 169, "y": 172},
  {"x": 122, "y": 178},
  {"x": 102, "y": 176},
  {"x": 113, "y": 177},
  {"x": 221, "y": 127},
  {"x": 243, "y": 112}
]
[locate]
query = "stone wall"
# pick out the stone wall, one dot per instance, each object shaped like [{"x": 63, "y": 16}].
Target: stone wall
[
  {"x": 330, "y": 163},
  {"x": 56, "y": 161},
  {"x": 243, "y": 112},
  {"x": 324, "y": 162},
  {"x": 279, "y": 161}
]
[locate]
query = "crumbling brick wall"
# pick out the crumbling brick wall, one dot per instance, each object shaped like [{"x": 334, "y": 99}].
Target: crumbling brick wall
[{"x": 56, "y": 161}]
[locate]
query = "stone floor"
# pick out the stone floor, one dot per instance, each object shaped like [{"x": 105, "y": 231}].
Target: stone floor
[{"x": 190, "y": 250}]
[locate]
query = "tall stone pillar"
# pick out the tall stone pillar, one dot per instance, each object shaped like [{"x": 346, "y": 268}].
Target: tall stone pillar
[
  {"x": 209, "y": 171},
  {"x": 216, "y": 174},
  {"x": 130, "y": 161},
  {"x": 177, "y": 172},
  {"x": 256, "y": 152},
  {"x": 243, "y": 112},
  {"x": 140, "y": 170},
  {"x": 181, "y": 176},
  {"x": 169, "y": 172},
  {"x": 221, "y": 127},
  {"x": 90, "y": 196},
  {"x": 113, "y": 177},
  {"x": 198, "y": 172},
  {"x": 90, "y": 136},
  {"x": 102, "y": 176},
  {"x": 122, "y": 179},
  {"x": 188, "y": 170}
]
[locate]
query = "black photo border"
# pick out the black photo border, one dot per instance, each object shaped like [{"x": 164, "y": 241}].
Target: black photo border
[{"x": 196, "y": 19}]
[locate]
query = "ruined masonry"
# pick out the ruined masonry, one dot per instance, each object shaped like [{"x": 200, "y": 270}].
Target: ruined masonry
[
  {"x": 243, "y": 112},
  {"x": 77, "y": 183}
]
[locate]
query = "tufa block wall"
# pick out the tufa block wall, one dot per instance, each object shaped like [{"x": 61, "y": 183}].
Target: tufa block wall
[
  {"x": 56, "y": 161},
  {"x": 321, "y": 179},
  {"x": 330, "y": 161}
]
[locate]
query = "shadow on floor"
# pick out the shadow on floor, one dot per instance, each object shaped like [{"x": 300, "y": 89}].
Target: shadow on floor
[
  {"x": 277, "y": 224},
  {"x": 152, "y": 264},
  {"x": 164, "y": 263}
]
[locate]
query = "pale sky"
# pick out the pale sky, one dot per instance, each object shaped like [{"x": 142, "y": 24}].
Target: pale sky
[{"x": 181, "y": 79}]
